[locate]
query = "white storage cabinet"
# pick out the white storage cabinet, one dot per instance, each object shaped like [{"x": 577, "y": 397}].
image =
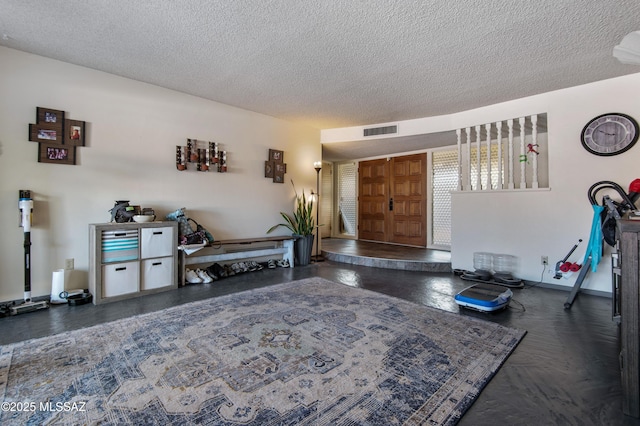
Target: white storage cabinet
[{"x": 132, "y": 259}]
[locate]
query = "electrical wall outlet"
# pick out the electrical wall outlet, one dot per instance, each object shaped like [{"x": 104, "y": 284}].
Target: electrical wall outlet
[
  {"x": 68, "y": 264},
  {"x": 544, "y": 260}
]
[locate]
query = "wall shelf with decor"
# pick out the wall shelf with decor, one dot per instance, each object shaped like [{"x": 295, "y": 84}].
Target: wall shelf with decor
[{"x": 203, "y": 155}]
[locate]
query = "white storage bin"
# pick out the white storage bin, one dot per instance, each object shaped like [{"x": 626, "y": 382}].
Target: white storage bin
[
  {"x": 156, "y": 273},
  {"x": 157, "y": 242},
  {"x": 120, "y": 278},
  {"x": 119, "y": 245}
]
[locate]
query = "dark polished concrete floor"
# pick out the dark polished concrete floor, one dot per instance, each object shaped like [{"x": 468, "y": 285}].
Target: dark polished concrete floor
[{"x": 564, "y": 372}]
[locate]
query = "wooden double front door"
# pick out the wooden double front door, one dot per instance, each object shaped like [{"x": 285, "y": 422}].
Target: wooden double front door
[{"x": 392, "y": 200}]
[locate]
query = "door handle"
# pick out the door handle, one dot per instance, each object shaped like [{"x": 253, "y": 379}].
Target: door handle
[{"x": 391, "y": 204}]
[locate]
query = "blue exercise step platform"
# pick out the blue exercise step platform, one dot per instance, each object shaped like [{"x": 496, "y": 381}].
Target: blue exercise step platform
[{"x": 484, "y": 297}]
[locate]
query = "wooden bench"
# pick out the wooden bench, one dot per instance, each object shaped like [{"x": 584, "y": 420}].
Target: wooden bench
[{"x": 226, "y": 250}]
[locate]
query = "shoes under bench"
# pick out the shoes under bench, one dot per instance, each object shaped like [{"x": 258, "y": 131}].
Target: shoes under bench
[{"x": 216, "y": 271}]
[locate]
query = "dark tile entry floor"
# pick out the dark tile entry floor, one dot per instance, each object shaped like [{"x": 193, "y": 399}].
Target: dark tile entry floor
[
  {"x": 376, "y": 250},
  {"x": 388, "y": 256},
  {"x": 564, "y": 372}
]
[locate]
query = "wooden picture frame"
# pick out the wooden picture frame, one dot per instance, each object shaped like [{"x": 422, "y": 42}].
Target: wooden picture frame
[
  {"x": 56, "y": 153},
  {"x": 276, "y": 156},
  {"x": 74, "y": 132},
  {"x": 280, "y": 168},
  {"x": 50, "y": 133},
  {"x": 53, "y": 117},
  {"x": 278, "y": 177},
  {"x": 268, "y": 169}
]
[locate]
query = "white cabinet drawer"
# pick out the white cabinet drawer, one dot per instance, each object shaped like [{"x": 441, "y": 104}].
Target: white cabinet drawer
[
  {"x": 120, "y": 278},
  {"x": 157, "y": 273},
  {"x": 157, "y": 242}
]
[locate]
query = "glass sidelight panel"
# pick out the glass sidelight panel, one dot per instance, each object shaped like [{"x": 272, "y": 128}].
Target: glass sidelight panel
[
  {"x": 347, "y": 198},
  {"x": 444, "y": 180}
]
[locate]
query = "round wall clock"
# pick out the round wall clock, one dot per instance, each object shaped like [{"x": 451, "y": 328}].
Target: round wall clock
[{"x": 610, "y": 134}]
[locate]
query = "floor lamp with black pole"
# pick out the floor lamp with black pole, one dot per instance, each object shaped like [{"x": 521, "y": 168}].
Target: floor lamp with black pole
[{"x": 318, "y": 166}]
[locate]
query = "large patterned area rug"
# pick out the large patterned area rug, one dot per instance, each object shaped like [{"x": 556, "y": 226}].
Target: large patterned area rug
[{"x": 309, "y": 352}]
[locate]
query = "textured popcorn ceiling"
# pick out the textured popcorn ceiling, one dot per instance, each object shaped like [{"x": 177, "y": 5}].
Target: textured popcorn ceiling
[{"x": 333, "y": 64}]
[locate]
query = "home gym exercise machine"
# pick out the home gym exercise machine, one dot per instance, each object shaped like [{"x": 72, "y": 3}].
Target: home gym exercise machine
[
  {"x": 563, "y": 266},
  {"x": 603, "y": 226},
  {"x": 25, "y": 204}
]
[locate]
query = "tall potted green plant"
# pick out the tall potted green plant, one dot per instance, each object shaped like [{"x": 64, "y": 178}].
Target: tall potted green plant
[{"x": 301, "y": 224}]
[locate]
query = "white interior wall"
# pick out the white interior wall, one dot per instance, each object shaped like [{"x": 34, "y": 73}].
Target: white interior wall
[
  {"x": 529, "y": 224},
  {"x": 132, "y": 131}
]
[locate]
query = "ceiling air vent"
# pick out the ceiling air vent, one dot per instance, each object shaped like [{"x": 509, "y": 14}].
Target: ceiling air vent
[{"x": 375, "y": 131}]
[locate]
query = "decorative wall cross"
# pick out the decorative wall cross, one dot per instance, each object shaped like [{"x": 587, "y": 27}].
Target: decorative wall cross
[{"x": 274, "y": 167}]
